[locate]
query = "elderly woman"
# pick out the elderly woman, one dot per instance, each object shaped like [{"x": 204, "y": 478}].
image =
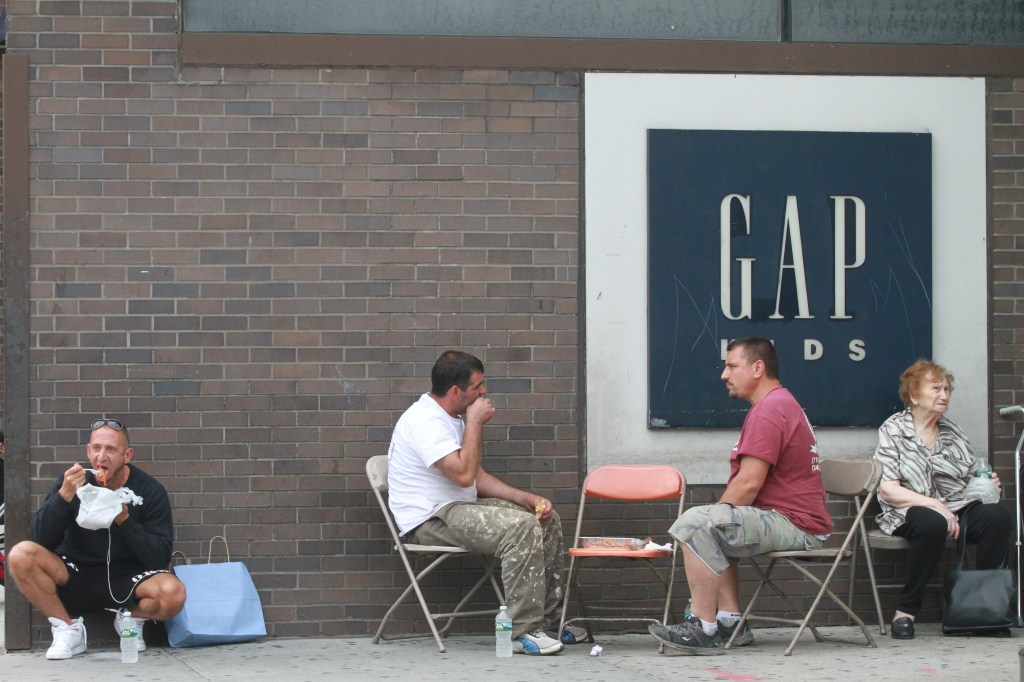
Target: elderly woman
[{"x": 927, "y": 463}]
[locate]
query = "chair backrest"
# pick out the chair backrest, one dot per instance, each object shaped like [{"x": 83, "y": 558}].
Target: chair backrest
[
  {"x": 641, "y": 482},
  {"x": 851, "y": 477},
  {"x": 377, "y": 472}
]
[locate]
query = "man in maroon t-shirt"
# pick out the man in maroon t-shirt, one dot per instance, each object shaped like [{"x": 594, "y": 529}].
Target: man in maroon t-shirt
[{"x": 774, "y": 501}]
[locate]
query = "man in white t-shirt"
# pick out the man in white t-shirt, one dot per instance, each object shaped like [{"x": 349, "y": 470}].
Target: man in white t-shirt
[{"x": 440, "y": 494}]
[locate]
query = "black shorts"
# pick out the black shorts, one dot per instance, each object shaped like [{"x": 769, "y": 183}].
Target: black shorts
[{"x": 87, "y": 588}]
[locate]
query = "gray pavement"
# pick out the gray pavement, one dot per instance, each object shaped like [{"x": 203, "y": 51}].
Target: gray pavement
[{"x": 930, "y": 656}]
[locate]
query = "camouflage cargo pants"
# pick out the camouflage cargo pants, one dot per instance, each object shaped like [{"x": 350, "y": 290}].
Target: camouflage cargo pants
[
  {"x": 531, "y": 554},
  {"x": 718, "y": 533}
]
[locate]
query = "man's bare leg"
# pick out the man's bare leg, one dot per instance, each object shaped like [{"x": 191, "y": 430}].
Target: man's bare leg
[
  {"x": 705, "y": 586},
  {"x": 729, "y": 589},
  {"x": 38, "y": 573},
  {"x": 160, "y": 597}
]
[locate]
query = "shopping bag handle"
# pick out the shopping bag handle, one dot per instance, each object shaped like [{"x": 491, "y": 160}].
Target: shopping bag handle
[
  {"x": 209, "y": 554},
  {"x": 178, "y": 553}
]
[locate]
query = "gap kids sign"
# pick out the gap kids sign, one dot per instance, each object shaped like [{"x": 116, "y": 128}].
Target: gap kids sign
[{"x": 820, "y": 241}]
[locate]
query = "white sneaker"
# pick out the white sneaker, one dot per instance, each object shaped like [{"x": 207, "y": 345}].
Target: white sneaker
[
  {"x": 120, "y": 618},
  {"x": 68, "y": 640},
  {"x": 536, "y": 643}
]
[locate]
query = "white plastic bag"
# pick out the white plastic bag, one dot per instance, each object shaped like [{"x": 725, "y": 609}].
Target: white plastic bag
[
  {"x": 99, "y": 508},
  {"x": 982, "y": 488}
]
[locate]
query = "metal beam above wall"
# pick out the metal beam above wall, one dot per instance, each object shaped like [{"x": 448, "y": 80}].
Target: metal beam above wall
[
  {"x": 937, "y": 22},
  {"x": 296, "y": 51}
]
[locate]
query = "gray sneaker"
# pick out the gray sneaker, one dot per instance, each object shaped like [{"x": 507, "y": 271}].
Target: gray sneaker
[
  {"x": 745, "y": 637},
  {"x": 689, "y": 638}
]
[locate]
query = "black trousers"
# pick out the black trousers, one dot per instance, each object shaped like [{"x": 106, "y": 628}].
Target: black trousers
[{"x": 988, "y": 526}]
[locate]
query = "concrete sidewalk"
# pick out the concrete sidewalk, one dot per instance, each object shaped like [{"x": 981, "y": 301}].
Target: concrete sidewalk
[{"x": 626, "y": 658}]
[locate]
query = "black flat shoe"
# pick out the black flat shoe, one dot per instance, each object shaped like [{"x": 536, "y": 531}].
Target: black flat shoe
[{"x": 902, "y": 628}]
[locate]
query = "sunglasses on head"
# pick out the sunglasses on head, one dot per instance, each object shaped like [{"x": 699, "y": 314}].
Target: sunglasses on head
[{"x": 112, "y": 423}]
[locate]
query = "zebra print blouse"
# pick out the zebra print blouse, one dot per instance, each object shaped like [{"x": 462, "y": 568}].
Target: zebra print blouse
[{"x": 941, "y": 473}]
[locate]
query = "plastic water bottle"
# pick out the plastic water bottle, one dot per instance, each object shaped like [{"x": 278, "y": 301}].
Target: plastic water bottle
[
  {"x": 129, "y": 641},
  {"x": 982, "y": 486},
  {"x": 503, "y": 634}
]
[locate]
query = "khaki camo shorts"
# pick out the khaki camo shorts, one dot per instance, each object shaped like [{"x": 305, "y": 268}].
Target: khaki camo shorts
[{"x": 718, "y": 533}]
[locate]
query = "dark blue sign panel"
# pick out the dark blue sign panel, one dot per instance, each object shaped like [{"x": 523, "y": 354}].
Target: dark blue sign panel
[{"x": 819, "y": 241}]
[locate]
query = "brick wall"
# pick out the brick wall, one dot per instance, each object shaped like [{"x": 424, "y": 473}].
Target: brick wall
[
  {"x": 257, "y": 268},
  {"x": 1006, "y": 261}
]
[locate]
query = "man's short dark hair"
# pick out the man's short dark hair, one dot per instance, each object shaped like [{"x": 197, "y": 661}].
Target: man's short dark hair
[
  {"x": 758, "y": 348},
  {"x": 453, "y": 368}
]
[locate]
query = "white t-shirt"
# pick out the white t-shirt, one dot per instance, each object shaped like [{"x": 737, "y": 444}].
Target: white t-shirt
[{"x": 417, "y": 488}]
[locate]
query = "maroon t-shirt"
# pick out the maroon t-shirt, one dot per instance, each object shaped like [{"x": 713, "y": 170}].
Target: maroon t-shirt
[{"x": 777, "y": 431}]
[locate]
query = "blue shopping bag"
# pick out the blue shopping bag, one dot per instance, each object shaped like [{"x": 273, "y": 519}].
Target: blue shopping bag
[{"x": 221, "y": 605}]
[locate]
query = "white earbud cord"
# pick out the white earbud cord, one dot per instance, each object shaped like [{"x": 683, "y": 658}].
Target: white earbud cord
[{"x": 110, "y": 586}]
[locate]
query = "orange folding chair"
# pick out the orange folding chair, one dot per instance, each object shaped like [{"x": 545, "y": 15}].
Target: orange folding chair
[{"x": 625, "y": 484}]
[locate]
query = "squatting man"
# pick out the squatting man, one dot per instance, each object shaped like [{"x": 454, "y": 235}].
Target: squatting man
[{"x": 63, "y": 568}]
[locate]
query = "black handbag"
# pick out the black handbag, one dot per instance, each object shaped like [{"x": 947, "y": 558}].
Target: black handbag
[{"x": 978, "y": 601}]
